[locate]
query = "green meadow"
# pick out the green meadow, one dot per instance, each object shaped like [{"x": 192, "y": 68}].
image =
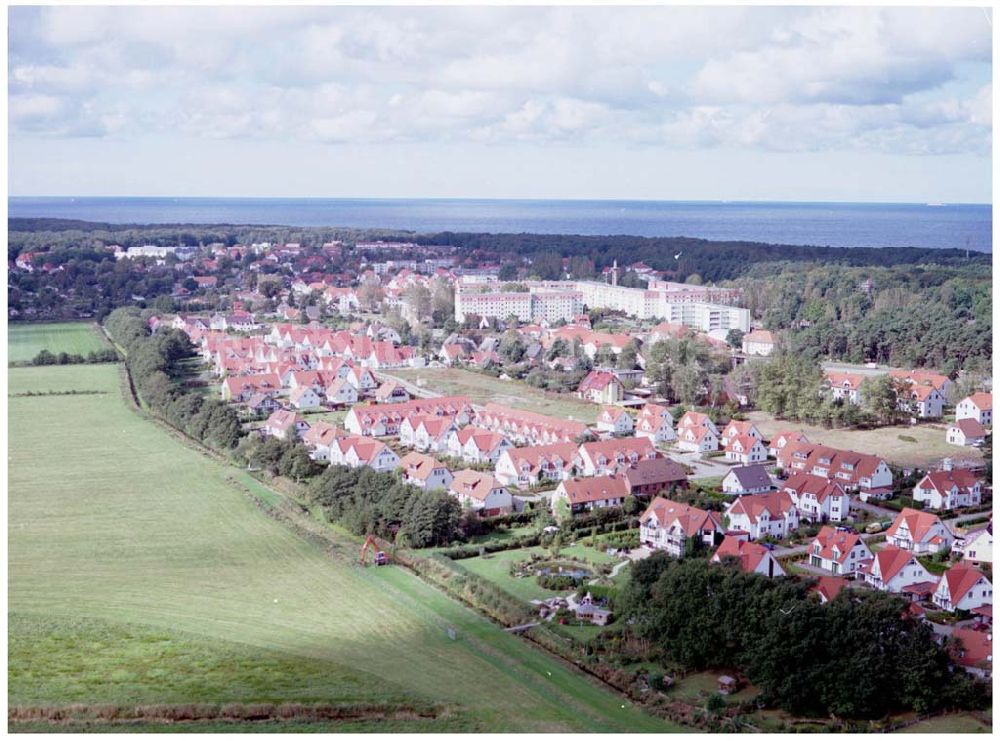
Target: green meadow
[
  {"x": 25, "y": 341},
  {"x": 141, "y": 572}
]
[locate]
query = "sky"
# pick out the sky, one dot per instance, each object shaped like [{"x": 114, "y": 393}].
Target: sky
[{"x": 668, "y": 103}]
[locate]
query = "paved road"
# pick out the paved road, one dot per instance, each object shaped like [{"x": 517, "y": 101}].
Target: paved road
[
  {"x": 879, "y": 512},
  {"x": 414, "y": 389}
]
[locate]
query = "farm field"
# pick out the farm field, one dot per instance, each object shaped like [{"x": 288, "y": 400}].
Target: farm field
[
  {"x": 926, "y": 447},
  {"x": 481, "y": 389},
  {"x": 140, "y": 572},
  {"x": 25, "y": 341}
]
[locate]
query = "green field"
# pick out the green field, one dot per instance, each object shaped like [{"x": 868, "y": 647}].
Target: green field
[
  {"x": 25, "y": 341},
  {"x": 955, "y": 723},
  {"x": 140, "y": 571},
  {"x": 481, "y": 388}
]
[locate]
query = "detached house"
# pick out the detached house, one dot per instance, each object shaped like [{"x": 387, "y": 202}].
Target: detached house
[
  {"x": 925, "y": 402},
  {"x": 745, "y": 449},
  {"x": 973, "y": 651},
  {"x": 758, "y": 342},
  {"x": 285, "y": 425},
  {"x": 963, "y": 587},
  {"x": 761, "y": 515},
  {"x": 977, "y": 547},
  {"x": 582, "y": 495},
  {"x": 697, "y": 439},
  {"x": 948, "y": 488},
  {"x": 922, "y": 533},
  {"x": 481, "y": 492},
  {"x": 601, "y": 387},
  {"x": 697, "y": 419},
  {"x": 656, "y": 423},
  {"x": 424, "y": 472},
  {"x": 818, "y": 499},
  {"x": 364, "y": 451},
  {"x": 893, "y": 570},
  {"x": 669, "y": 526},
  {"x": 845, "y": 386},
  {"x": 838, "y": 550},
  {"x": 753, "y": 558},
  {"x": 737, "y": 428},
  {"x": 341, "y": 392},
  {"x": 615, "y": 420},
  {"x": 305, "y": 399},
  {"x": 747, "y": 480},
  {"x": 978, "y": 406},
  {"x": 966, "y": 432}
]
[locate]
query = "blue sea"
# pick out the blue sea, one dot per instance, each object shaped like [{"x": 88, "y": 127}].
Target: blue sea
[{"x": 825, "y": 224}]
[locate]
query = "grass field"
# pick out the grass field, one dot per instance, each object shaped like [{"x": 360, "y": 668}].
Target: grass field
[
  {"x": 956, "y": 723},
  {"x": 926, "y": 447},
  {"x": 481, "y": 389},
  {"x": 25, "y": 341},
  {"x": 139, "y": 571}
]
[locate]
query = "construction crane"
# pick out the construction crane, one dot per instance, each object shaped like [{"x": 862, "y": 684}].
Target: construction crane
[{"x": 380, "y": 558}]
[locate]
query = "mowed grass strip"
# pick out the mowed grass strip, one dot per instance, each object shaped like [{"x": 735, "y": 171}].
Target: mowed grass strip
[
  {"x": 481, "y": 389},
  {"x": 25, "y": 341},
  {"x": 110, "y": 517}
]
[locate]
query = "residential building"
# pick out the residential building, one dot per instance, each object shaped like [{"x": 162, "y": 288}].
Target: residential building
[
  {"x": 963, "y": 587},
  {"x": 845, "y": 386},
  {"x": 657, "y": 423},
  {"x": 650, "y": 476},
  {"x": 923, "y": 533},
  {"x": 476, "y": 445},
  {"x": 977, "y": 546},
  {"x": 752, "y": 558},
  {"x": 481, "y": 492},
  {"x": 973, "y": 651},
  {"x": 605, "y": 457},
  {"x": 978, "y": 406},
  {"x": 747, "y": 480},
  {"x": 601, "y": 387},
  {"x": 285, "y": 425},
  {"x": 529, "y": 466},
  {"x": 697, "y": 439},
  {"x": 758, "y": 342},
  {"x": 745, "y": 449},
  {"x": 304, "y": 398},
  {"x": 949, "y": 488},
  {"x": 966, "y": 432},
  {"x": 779, "y": 441},
  {"x": 616, "y": 421},
  {"x": 818, "y": 499},
  {"x": 761, "y": 515},
  {"x": 838, "y": 550},
  {"x": 424, "y": 472},
  {"x": 894, "y": 569},
  {"x": 671, "y": 526},
  {"x": 582, "y": 495}
]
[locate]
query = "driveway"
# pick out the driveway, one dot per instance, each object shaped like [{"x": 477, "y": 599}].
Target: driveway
[{"x": 710, "y": 468}]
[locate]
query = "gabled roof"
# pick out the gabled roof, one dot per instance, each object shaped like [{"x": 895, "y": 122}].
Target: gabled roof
[
  {"x": 475, "y": 484},
  {"x": 835, "y": 544},
  {"x": 919, "y": 524},
  {"x": 976, "y": 650},
  {"x": 970, "y": 427},
  {"x": 640, "y": 446},
  {"x": 775, "y": 503},
  {"x": 890, "y": 561},
  {"x": 959, "y": 579},
  {"x": 829, "y": 587},
  {"x": 690, "y": 520},
  {"x": 982, "y": 400},
  {"x": 597, "y": 380},
  {"x": 751, "y": 477},
  {"x": 820, "y": 488},
  {"x": 748, "y": 554},
  {"x": 581, "y": 491},
  {"x": 943, "y": 481},
  {"x": 654, "y": 471}
]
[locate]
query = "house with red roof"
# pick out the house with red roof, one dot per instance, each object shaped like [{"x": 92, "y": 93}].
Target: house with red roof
[
  {"x": 761, "y": 515},
  {"x": 752, "y": 558},
  {"x": 845, "y": 386},
  {"x": 963, "y": 587},
  {"x": 697, "y": 439},
  {"x": 481, "y": 492},
  {"x": 285, "y": 425},
  {"x": 605, "y": 457},
  {"x": 920, "y": 377},
  {"x": 366, "y": 452},
  {"x": 838, "y": 550},
  {"x": 529, "y": 428},
  {"x": 965, "y": 432},
  {"x": 818, "y": 499},
  {"x": 391, "y": 392},
  {"x": 304, "y": 398},
  {"x": 477, "y": 445},
  {"x": 583, "y": 495},
  {"x": 669, "y": 526},
  {"x": 341, "y": 392},
  {"x": 949, "y": 488},
  {"x": 529, "y": 466},
  {"x": 601, "y": 387},
  {"x": 424, "y": 472},
  {"x": 978, "y": 406},
  {"x": 320, "y": 437},
  {"x": 735, "y": 428},
  {"x": 657, "y": 423},
  {"x": 431, "y": 431},
  {"x": 828, "y": 587},
  {"x": 893, "y": 570},
  {"x": 615, "y": 420},
  {"x": 745, "y": 449},
  {"x": 973, "y": 651},
  {"x": 780, "y": 440},
  {"x": 867, "y": 474},
  {"x": 922, "y": 401},
  {"x": 758, "y": 342},
  {"x": 922, "y": 533},
  {"x": 697, "y": 419}
]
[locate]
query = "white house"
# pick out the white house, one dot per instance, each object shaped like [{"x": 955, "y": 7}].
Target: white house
[
  {"x": 760, "y": 515},
  {"x": 657, "y": 429},
  {"x": 371, "y": 453},
  {"x": 424, "y": 472},
  {"x": 921, "y": 532},
  {"x": 612, "y": 456},
  {"x": 747, "y": 480},
  {"x": 963, "y": 587},
  {"x": 893, "y": 569},
  {"x": 341, "y": 391},
  {"x": 745, "y": 449},
  {"x": 735, "y": 428},
  {"x": 697, "y": 439},
  {"x": 978, "y": 406},
  {"x": 925, "y": 402},
  {"x": 305, "y": 399},
  {"x": 481, "y": 492},
  {"x": 838, "y": 550},
  {"x": 432, "y": 432},
  {"x": 753, "y": 558},
  {"x": 697, "y": 419},
  {"x": 285, "y": 425},
  {"x": 477, "y": 445},
  {"x": 818, "y": 499},
  {"x": 529, "y": 466},
  {"x": 758, "y": 342},
  {"x": 615, "y": 420},
  {"x": 668, "y": 526},
  {"x": 948, "y": 488},
  {"x": 977, "y": 546},
  {"x": 966, "y": 432}
]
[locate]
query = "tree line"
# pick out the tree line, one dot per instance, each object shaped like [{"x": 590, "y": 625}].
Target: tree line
[{"x": 862, "y": 655}]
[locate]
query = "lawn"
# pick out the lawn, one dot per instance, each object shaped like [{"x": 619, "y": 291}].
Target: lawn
[
  {"x": 25, "y": 341},
  {"x": 954, "y": 723},
  {"x": 481, "y": 388},
  {"x": 496, "y": 568},
  {"x": 139, "y": 572},
  {"x": 927, "y": 446}
]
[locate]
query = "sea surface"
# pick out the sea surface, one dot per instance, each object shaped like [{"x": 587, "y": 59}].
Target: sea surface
[{"x": 832, "y": 224}]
